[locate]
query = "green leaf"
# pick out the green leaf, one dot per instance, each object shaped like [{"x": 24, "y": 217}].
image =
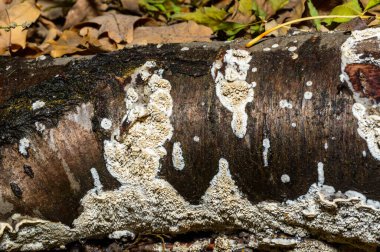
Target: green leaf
[
  {"x": 258, "y": 11},
  {"x": 209, "y": 16},
  {"x": 314, "y": 12},
  {"x": 231, "y": 28},
  {"x": 255, "y": 29},
  {"x": 351, "y": 8},
  {"x": 246, "y": 7},
  {"x": 158, "y": 7},
  {"x": 371, "y": 4},
  {"x": 278, "y": 4}
]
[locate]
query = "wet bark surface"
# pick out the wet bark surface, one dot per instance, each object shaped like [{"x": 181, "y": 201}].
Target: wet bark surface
[{"x": 55, "y": 173}]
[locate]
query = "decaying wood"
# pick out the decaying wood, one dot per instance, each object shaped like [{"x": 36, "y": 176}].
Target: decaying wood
[{"x": 63, "y": 122}]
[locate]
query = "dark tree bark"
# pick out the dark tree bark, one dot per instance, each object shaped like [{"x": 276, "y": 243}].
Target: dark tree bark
[{"x": 58, "y": 115}]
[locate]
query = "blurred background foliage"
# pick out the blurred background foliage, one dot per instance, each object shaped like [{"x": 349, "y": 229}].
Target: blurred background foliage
[{"x": 32, "y": 28}]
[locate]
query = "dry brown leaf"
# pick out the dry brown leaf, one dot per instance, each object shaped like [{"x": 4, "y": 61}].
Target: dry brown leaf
[
  {"x": 241, "y": 19},
  {"x": 266, "y": 6},
  {"x": 50, "y": 9},
  {"x": 103, "y": 43},
  {"x": 131, "y": 5},
  {"x": 296, "y": 9},
  {"x": 279, "y": 32},
  {"x": 81, "y": 10},
  {"x": 52, "y": 33},
  {"x": 118, "y": 27},
  {"x": 19, "y": 14},
  {"x": 68, "y": 43},
  {"x": 106, "y": 44},
  {"x": 223, "y": 4},
  {"x": 2, "y": 6},
  {"x": 91, "y": 34},
  {"x": 352, "y": 25},
  {"x": 374, "y": 11},
  {"x": 3, "y": 45},
  {"x": 375, "y": 22},
  {"x": 178, "y": 33}
]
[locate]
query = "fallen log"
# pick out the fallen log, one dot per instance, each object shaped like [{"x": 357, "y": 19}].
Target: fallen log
[{"x": 279, "y": 140}]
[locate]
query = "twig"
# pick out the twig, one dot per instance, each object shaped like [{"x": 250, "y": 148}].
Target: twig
[{"x": 262, "y": 35}]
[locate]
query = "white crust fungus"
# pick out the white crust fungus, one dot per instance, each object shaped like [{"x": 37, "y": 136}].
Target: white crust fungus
[
  {"x": 38, "y": 104},
  {"x": 307, "y": 95},
  {"x": 266, "y": 145},
  {"x": 40, "y": 127},
  {"x": 23, "y": 146},
  {"x": 285, "y": 104},
  {"x": 321, "y": 174},
  {"x": 292, "y": 48},
  {"x": 285, "y": 178},
  {"x": 232, "y": 89},
  {"x": 177, "y": 156},
  {"x": 369, "y": 128},
  {"x": 106, "y": 123},
  {"x": 97, "y": 184}
]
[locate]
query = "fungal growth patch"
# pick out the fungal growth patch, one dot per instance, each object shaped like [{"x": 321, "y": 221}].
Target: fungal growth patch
[
  {"x": 307, "y": 95},
  {"x": 232, "y": 89},
  {"x": 23, "y": 146},
  {"x": 38, "y": 104},
  {"x": 285, "y": 104},
  {"x": 359, "y": 72},
  {"x": 97, "y": 184},
  {"x": 266, "y": 145},
  {"x": 40, "y": 127},
  {"x": 368, "y": 128},
  {"x": 106, "y": 123},
  {"x": 292, "y": 48},
  {"x": 285, "y": 178},
  {"x": 137, "y": 154},
  {"x": 177, "y": 157},
  {"x": 321, "y": 174}
]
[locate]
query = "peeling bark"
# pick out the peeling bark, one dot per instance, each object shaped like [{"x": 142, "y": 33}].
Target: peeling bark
[{"x": 214, "y": 138}]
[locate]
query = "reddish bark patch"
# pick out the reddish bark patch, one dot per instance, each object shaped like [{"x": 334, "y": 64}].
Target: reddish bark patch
[{"x": 365, "y": 79}]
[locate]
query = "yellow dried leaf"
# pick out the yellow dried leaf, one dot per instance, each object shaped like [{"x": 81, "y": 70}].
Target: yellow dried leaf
[
  {"x": 19, "y": 14},
  {"x": 68, "y": 43},
  {"x": 91, "y": 34},
  {"x": 107, "y": 44},
  {"x": 178, "y": 33}
]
